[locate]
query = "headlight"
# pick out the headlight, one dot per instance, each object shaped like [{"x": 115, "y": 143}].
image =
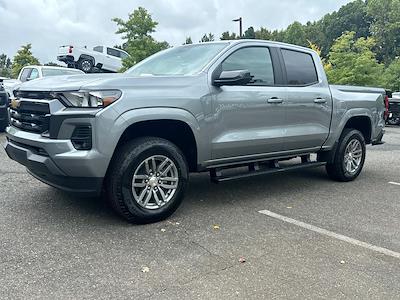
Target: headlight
[{"x": 89, "y": 98}]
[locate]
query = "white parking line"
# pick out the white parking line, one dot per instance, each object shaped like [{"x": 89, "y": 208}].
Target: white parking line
[
  {"x": 331, "y": 234},
  {"x": 394, "y": 183}
]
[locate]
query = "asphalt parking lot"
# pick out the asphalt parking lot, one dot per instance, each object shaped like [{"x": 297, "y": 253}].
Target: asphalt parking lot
[{"x": 55, "y": 246}]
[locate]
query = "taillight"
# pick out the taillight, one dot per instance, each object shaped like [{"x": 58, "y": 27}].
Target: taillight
[
  {"x": 70, "y": 49},
  {"x": 386, "y": 106}
]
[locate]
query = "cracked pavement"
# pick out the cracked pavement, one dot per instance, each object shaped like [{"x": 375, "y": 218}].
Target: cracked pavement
[{"x": 56, "y": 246}]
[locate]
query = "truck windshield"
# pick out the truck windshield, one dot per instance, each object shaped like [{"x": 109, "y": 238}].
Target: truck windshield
[
  {"x": 184, "y": 60},
  {"x": 57, "y": 72}
]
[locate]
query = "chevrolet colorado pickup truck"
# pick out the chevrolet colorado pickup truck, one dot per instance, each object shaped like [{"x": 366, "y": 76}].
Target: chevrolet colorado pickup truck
[{"x": 231, "y": 108}]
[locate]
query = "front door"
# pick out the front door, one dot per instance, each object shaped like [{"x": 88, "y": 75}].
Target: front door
[{"x": 249, "y": 119}]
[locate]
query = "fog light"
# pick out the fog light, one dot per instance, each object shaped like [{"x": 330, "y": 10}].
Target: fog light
[{"x": 82, "y": 137}]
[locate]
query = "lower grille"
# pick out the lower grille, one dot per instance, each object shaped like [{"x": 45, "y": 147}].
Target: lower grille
[{"x": 30, "y": 116}]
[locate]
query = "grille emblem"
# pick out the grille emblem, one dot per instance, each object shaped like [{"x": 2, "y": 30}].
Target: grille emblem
[{"x": 15, "y": 103}]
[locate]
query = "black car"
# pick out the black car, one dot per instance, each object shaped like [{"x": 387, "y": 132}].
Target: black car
[{"x": 3, "y": 109}]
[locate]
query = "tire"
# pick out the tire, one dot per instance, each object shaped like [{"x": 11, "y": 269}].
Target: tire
[
  {"x": 86, "y": 65},
  {"x": 128, "y": 195},
  {"x": 3, "y": 126},
  {"x": 338, "y": 170},
  {"x": 394, "y": 121}
]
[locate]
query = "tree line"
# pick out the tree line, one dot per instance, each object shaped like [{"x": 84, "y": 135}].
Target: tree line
[{"x": 358, "y": 44}]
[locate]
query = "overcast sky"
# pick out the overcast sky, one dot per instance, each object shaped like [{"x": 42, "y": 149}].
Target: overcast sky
[{"x": 48, "y": 24}]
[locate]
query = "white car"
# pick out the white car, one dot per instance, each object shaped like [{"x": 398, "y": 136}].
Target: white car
[
  {"x": 33, "y": 72},
  {"x": 101, "y": 57}
]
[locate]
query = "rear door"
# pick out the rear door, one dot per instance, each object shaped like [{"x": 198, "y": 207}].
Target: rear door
[
  {"x": 113, "y": 59},
  {"x": 309, "y": 102}
]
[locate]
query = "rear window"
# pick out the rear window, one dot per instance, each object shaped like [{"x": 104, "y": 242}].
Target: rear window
[{"x": 300, "y": 68}]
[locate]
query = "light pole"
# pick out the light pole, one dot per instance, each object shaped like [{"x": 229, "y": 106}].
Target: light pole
[{"x": 240, "y": 26}]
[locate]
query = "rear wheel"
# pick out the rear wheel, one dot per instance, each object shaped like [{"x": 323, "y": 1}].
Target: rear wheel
[
  {"x": 349, "y": 157},
  {"x": 147, "y": 180},
  {"x": 86, "y": 65}
]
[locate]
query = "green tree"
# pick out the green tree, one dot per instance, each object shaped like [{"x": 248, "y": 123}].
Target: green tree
[
  {"x": 296, "y": 35},
  {"x": 249, "y": 33},
  {"x": 353, "y": 61},
  {"x": 263, "y": 34},
  {"x": 207, "y": 38},
  {"x": 385, "y": 27},
  {"x": 23, "y": 58},
  {"x": 5, "y": 66},
  {"x": 52, "y": 64},
  {"x": 392, "y": 76},
  {"x": 136, "y": 33},
  {"x": 188, "y": 41},
  {"x": 350, "y": 17},
  {"x": 228, "y": 36}
]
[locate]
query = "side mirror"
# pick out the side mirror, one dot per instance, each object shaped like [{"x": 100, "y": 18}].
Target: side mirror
[{"x": 237, "y": 77}]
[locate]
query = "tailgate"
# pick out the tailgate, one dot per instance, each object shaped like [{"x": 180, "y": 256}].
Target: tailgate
[{"x": 65, "y": 50}]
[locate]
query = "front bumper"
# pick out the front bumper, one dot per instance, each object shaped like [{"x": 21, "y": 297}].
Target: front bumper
[{"x": 41, "y": 166}]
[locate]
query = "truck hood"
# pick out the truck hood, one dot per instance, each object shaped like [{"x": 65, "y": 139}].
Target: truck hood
[
  {"x": 106, "y": 81},
  {"x": 64, "y": 83}
]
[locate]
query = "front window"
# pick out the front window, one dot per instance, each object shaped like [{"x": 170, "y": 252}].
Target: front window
[
  {"x": 257, "y": 60},
  {"x": 184, "y": 60},
  {"x": 58, "y": 72}
]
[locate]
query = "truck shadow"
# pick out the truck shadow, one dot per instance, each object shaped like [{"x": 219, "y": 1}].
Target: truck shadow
[{"x": 201, "y": 192}]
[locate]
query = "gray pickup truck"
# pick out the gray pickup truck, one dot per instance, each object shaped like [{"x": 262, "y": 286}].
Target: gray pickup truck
[{"x": 233, "y": 108}]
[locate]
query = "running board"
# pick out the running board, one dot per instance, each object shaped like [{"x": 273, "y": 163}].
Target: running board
[{"x": 255, "y": 170}]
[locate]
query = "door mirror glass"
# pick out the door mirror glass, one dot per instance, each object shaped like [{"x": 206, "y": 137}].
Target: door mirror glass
[{"x": 236, "y": 77}]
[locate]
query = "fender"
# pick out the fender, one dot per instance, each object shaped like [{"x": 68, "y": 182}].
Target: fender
[
  {"x": 338, "y": 127},
  {"x": 128, "y": 118}
]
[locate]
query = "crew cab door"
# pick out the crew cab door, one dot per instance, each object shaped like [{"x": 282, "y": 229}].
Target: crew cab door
[
  {"x": 248, "y": 118},
  {"x": 113, "y": 59},
  {"x": 309, "y": 101}
]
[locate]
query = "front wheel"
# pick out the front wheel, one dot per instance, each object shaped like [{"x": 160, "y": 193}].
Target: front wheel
[
  {"x": 349, "y": 157},
  {"x": 147, "y": 180}
]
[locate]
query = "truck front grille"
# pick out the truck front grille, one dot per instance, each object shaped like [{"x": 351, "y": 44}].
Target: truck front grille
[{"x": 30, "y": 116}]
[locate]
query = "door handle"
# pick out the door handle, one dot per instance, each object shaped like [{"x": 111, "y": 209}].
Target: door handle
[
  {"x": 320, "y": 100},
  {"x": 275, "y": 100}
]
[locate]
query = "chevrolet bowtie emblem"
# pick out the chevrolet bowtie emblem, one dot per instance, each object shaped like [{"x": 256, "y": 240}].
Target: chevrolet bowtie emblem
[{"x": 15, "y": 103}]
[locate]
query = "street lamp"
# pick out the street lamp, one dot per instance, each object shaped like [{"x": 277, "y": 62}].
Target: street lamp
[{"x": 240, "y": 26}]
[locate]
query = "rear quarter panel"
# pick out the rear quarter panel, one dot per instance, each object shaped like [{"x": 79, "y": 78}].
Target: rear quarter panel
[{"x": 352, "y": 101}]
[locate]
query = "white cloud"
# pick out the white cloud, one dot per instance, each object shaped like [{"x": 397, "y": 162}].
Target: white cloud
[{"x": 48, "y": 24}]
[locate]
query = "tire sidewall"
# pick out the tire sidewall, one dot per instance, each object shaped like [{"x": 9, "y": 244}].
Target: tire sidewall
[
  {"x": 88, "y": 61},
  {"x": 124, "y": 185},
  {"x": 351, "y": 135}
]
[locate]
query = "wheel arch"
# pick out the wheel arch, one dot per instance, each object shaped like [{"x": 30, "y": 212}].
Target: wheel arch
[
  {"x": 86, "y": 56},
  {"x": 361, "y": 123},
  {"x": 175, "y": 125}
]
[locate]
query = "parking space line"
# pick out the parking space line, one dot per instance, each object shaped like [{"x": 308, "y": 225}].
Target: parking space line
[
  {"x": 394, "y": 183},
  {"x": 331, "y": 234}
]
